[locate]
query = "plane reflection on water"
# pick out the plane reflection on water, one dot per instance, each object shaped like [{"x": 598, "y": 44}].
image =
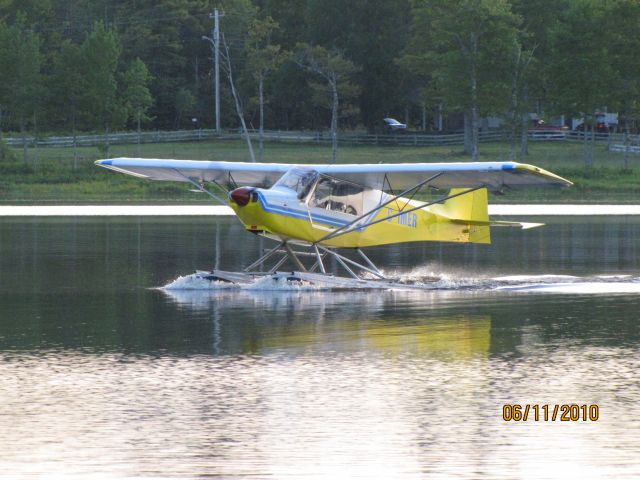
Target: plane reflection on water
[
  {"x": 344, "y": 321},
  {"x": 481, "y": 316}
]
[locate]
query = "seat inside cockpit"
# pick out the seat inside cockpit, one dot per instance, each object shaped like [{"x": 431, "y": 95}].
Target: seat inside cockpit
[
  {"x": 324, "y": 192},
  {"x": 337, "y": 195}
]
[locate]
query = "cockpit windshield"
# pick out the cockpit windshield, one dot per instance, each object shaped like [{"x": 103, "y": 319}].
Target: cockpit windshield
[{"x": 299, "y": 180}]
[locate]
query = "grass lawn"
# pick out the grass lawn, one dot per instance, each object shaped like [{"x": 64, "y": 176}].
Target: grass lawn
[{"x": 49, "y": 175}]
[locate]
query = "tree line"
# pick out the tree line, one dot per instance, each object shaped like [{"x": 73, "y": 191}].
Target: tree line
[{"x": 105, "y": 65}]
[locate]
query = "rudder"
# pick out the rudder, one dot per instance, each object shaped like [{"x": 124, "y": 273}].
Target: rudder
[{"x": 470, "y": 211}]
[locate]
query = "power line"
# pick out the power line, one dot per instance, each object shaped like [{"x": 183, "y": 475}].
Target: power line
[{"x": 81, "y": 23}]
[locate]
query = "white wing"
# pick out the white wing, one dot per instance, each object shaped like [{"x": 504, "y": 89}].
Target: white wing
[
  {"x": 400, "y": 176},
  {"x": 225, "y": 173},
  {"x": 397, "y": 176}
]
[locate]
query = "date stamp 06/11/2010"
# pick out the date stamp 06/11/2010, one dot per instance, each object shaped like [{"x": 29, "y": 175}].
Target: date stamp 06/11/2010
[{"x": 550, "y": 413}]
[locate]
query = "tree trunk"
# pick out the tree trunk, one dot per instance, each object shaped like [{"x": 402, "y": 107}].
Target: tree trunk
[
  {"x": 626, "y": 144},
  {"x": 75, "y": 139},
  {"x": 237, "y": 102},
  {"x": 196, "y": 86},
  {"x": 106, "y": 141},
  {"x": 513, "y": 114},
  {"x": 512, "y": 141},
  {"x": 23, "y": 132},
  {"x": 593, "y": 140},
  {"x": 424, "y": 117},
  {"x": 242, "y": 122},
  {"x": 475, "y": 133},
  {"x": 139, "y": 114},
  {"x": 524, "y": 134},
  {"x": 334, "y": 121},
  {"x": 35, "y": 140},
  {"x": 2, "y": 149},
  {"x": 585, "y": 144},
  {"x": 475, "y": 120},
  {"x": 513, "y": 132},
  {"x": 467, "y": 133},
  {"x": 261, "y": 129}
]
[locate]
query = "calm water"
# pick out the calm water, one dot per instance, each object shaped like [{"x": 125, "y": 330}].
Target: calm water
[{"x": 104, "y": 376}]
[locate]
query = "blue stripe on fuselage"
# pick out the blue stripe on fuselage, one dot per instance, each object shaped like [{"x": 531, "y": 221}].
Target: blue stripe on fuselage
[
  {"x": 295, "y": 213},
  {"x": 291, "y": 212}
]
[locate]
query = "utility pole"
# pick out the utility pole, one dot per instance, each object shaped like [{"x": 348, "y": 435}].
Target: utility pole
[
  {"x": 215, "y": 46},
  {"x": 216, "y": 40}
]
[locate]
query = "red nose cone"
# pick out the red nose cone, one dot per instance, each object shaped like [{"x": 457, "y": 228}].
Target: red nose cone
[{"x": 241, "y": 196}]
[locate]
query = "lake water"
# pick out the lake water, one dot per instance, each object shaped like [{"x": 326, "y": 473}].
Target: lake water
[{"x": 103, "y": 375}]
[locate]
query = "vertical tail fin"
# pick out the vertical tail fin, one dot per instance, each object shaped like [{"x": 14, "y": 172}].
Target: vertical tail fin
[
  {"x": 470, "y": 211},
  {"x": 471, "y": 206}
]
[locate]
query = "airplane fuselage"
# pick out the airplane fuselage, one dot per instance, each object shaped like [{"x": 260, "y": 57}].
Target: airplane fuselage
[{"x": 284, "y": 213}]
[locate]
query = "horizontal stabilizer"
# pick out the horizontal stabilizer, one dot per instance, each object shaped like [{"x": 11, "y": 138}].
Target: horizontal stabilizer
[
  {"x": 522, "y": 225},
  {"x": 499, "y": 223}
]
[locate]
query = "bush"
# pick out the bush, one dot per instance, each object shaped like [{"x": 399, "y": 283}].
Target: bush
[
  {"x": 6, "y": 152},
  {"x": 14, "y": 167},
  {"x": 103, "y": 148}
]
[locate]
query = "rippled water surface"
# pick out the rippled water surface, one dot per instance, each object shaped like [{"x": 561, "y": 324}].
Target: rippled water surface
[{"x": 105, "y": 375}]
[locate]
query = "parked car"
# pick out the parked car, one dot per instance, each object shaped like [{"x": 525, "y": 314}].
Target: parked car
[
  {"x": 540, "y": 130},
  {"x": 601, "y": 127},
  {"x": 604, "y": 123},
  {"x": 393, "y": 125}
]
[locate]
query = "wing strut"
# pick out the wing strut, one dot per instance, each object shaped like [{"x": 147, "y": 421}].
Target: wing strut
[
  {"x": 347, "y": 228},
  {"x": 265, "y": 257},
  {"x": 319, "y": 261},
  {"x": 371, "y": 264},
  {"x": 342, "y": 260},
  {"x": 200, "y": 187}
]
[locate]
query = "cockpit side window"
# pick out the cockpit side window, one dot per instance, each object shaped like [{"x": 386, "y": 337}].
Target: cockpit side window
[{"x": 338, "y": 196}]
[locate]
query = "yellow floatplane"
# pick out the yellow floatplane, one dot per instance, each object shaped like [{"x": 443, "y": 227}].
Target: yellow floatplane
[{"x": 330, "y": 207}]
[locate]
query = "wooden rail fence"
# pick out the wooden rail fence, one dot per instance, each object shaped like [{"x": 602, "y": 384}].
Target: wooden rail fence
[{"x": 615, "y": 141}]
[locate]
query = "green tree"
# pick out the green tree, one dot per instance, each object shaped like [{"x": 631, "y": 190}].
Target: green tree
[
  {"x": 336, "y": 71},
  {"x": 583, "y": 76},
  {"x": 531, "y": 66},
  {"x": 158, "y": 32},
  {"x": 102, "y": 106},
  {"x": 371, "y": 34},
  {"x": 137, "y": 96},
  {"x": 623, "y": 21},
  {"x": 262, "y": 59},
  {"x": 518, "y": 114},
  {"x": 20, "y": 77},
  {"x": 184, "y": 104},
  {"x": 464, "y": 46},
  {"x": 5, "y": 151},
  {"x": 5, "y": 59},
  {"x": 227, "y": 66},
  {"x": 67, "y": 88}
]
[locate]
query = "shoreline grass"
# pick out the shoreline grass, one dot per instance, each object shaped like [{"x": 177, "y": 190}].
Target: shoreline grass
[{"x": 49, "y": 175}]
